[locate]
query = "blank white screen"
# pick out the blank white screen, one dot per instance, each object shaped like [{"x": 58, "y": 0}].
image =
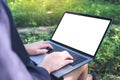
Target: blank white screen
[{"x": 81, "y": 32}]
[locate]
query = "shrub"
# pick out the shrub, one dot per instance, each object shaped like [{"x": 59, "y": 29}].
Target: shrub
[
  {"x": 100, "y": 9},
  {"x": 48, "y": 12},
  {"x": 27, "y": 12},
  {"x": 108, "y": 58}
]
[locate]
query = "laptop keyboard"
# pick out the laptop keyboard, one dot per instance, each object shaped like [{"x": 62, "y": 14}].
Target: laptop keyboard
[{"x": 77, "y": 58}]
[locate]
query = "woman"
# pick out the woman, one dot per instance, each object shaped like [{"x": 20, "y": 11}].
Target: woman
[{"x": 27, "y": 70}]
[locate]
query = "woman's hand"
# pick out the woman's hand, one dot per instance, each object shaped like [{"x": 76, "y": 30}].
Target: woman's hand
[
  {"x": 37, "y": 47},
  {"x": 56, "y": 60}
]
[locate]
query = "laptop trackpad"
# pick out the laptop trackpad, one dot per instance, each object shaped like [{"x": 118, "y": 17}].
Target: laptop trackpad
[{"x": 38, "y": 58}]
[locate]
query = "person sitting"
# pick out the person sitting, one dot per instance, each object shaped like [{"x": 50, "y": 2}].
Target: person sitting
[{"x": 13, "y": 46}]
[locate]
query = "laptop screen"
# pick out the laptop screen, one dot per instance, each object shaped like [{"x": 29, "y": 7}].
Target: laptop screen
[{"x": 81, "y": 32}]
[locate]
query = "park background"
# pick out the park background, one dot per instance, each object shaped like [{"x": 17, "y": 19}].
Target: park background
[{"x": 37, "y": 19}]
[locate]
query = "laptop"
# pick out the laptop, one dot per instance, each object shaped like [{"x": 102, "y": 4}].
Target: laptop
[{"x": 80, "y": 35}]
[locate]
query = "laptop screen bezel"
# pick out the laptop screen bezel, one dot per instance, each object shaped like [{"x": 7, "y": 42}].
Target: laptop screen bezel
[{"x": 99, "y": 17}]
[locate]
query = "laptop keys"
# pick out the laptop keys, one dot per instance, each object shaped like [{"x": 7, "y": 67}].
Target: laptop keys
[
  {"x": 77, "y": 59},
  {"x": 49, "y": 50}
]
